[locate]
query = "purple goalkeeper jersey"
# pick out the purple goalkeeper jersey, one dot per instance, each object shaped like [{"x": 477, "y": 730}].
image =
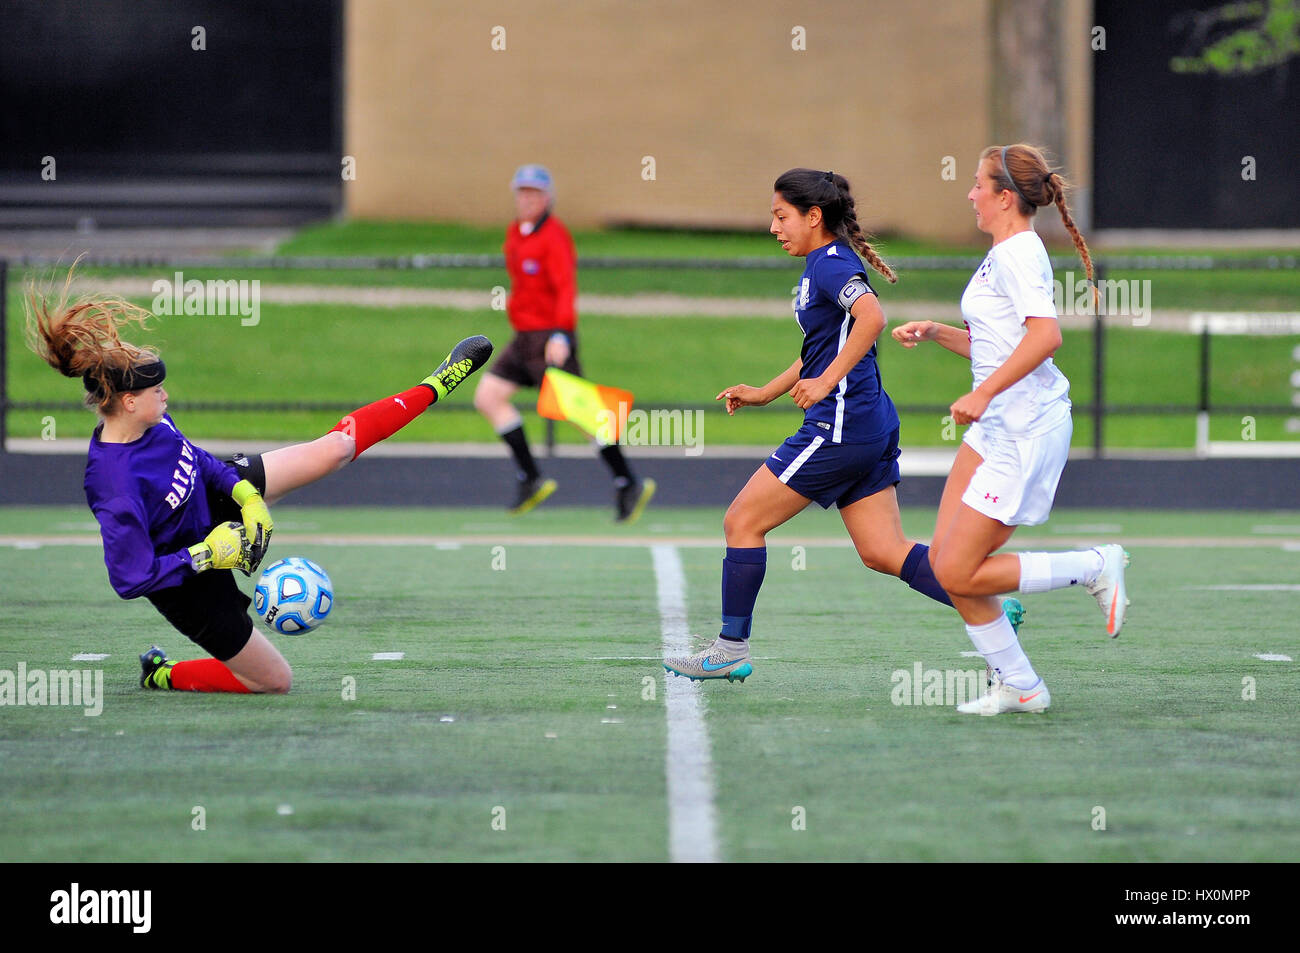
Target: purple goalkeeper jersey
[{"x": 151, "y": 499}]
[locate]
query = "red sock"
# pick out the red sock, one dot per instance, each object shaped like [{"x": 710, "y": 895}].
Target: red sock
[
  {"x": 383, "y": 418},
  {"x": 206, "y": 675}
]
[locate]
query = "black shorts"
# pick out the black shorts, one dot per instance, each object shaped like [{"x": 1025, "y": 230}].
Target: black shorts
[
  {"x": 523, "y": 362},
  {"x": 208, "y": 608},
  {"x": 251, "y": 468}
]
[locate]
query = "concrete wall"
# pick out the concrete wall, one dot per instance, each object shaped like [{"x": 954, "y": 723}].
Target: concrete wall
[{"x": 714, "y": 91}]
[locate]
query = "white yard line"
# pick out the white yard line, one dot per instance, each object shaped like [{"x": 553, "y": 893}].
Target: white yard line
[{"x": 692, "y": 822}]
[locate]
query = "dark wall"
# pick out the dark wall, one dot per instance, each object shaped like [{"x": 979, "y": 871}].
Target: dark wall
[
  {"x": 114, "y": 86},
  {"x": 1168, "y": 146}
]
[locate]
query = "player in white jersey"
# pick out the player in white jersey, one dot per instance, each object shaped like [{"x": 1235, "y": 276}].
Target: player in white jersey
[{"x": 1008, "y": 466}]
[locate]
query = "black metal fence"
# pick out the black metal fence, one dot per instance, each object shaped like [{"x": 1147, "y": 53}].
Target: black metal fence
[{"x": 1097, "y": 409}]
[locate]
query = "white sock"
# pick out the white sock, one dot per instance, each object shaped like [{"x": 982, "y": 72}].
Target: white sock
[
  {"x": 997, "y": 642},
  {"x": 1040, "y": 572}
]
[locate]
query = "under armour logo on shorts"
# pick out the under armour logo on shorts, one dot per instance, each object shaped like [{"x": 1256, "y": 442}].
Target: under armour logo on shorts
[{"x": 993, "y": 498}]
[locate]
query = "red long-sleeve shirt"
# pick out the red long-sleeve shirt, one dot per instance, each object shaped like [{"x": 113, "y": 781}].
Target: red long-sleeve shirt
[{"x": 543, "y": 273}]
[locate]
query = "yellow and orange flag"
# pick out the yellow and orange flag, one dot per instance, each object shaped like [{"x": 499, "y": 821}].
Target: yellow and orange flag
[{"x": 600, "y": 411}]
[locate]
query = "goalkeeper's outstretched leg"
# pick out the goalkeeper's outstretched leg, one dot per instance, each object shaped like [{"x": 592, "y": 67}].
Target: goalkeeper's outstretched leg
[
  {"x": 289, "y": 468},
  {"x": 175, "y": 520}
]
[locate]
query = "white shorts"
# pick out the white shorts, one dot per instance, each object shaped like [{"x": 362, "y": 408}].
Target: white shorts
[{"x": 1017, "y": 481}]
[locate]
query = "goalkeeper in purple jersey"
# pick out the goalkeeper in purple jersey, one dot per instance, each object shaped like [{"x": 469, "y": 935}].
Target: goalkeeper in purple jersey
[{"x": 175, "y": 520}]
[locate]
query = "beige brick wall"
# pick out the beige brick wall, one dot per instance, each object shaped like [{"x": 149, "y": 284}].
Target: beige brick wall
[{"x": 713, "y": 91}]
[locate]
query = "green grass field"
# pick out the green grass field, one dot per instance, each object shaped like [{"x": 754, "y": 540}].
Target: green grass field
[
  {"x": 519, "y": 636},
  {"x": 360, "y": 354},
  {"x": 353, "y": 354}
]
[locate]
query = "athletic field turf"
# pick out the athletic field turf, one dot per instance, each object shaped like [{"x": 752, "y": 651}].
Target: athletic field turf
[{"x": 529, "y": 719}]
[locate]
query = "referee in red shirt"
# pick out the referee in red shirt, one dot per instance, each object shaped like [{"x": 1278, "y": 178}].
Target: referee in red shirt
[{"x": 543, "y": 287}]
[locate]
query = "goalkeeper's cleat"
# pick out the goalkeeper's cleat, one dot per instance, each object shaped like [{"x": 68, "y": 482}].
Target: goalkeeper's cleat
[
  {"x": 1108, "y": 587},
  {"x": 632, "y": 500},
  {"x": 531, "y": 492},
  {"x": 722, "y": 659},
  {"x": 465, "y": 358},
  {"x": 155, "y": 670},
  {"x": 1001, "y": 697},
  {"x": 1014, "y": 610}
]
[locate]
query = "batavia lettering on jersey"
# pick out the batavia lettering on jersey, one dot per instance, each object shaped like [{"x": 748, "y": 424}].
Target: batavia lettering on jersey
[{"x": 182, "y": 476}]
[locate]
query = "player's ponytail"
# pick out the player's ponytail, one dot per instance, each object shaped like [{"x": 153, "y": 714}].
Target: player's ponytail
[
  {"x": 829, "y": 191},
  {"x": 81, "y": 339},
  {"x": 1028, "y": 175}
]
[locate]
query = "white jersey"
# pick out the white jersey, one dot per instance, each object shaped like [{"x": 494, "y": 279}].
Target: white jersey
[{"x": 1014, "y": 283}]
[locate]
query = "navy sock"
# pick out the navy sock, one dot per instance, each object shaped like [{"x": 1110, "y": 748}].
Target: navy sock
[
  {"x": 918, "y": 574},
  {"x": 742, "y": 575}
]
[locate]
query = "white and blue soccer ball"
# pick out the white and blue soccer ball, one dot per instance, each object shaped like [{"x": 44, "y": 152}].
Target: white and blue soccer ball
[{"x": 293, "y": 595}]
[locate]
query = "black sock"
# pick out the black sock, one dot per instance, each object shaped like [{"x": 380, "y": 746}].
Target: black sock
[
  {"x": 617, "y": 464},
  {"x": 518, "y": 445}
]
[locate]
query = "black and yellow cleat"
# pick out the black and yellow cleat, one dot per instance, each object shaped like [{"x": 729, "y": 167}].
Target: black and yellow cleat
[
  {"x": 532, "y": 492},
  {"x": 465, "y": 358},
  {"x": 155, "y": 670},
  {"x": 632, "y": 500}
]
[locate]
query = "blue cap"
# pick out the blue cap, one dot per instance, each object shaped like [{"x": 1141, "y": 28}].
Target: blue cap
[{"x": 532, "y": 177}]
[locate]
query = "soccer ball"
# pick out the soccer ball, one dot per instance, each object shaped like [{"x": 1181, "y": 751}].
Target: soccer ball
[{"x": 293, "y": 595}]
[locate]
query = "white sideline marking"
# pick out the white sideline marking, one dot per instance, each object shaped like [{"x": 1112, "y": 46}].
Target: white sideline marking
[
  {"x": 1256, "y": 587},
  {"x": 692, "y": 824},
  {"x": 90, "y": 656},
  {"x": 388, "y": 656},
  {"x": 1271, "y": 657}
]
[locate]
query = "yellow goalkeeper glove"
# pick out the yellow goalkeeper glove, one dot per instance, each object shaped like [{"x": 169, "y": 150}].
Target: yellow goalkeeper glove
[
  {"x": 226, "y": 547},
  {"x": 257, "y": 521}
]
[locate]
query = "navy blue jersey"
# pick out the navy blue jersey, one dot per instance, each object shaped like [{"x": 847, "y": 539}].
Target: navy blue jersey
[
  {"x": 151, "y": 499},
  {"x": 858, "y": 410}
]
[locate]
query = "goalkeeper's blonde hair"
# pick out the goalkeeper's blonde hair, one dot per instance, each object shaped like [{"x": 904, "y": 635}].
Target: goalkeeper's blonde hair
[{"x": 81, "y": 337}]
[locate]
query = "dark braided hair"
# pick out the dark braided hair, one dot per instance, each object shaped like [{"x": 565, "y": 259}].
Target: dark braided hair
[{"x": 828, "y": 191}]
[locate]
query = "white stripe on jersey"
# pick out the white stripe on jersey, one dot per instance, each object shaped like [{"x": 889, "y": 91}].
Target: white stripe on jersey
[
  {"x": 844, "y": 383},
  {"x": 800, "y": 460}
]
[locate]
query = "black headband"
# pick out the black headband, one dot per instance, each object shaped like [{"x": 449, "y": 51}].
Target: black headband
[{"x": 124, "y": 380}]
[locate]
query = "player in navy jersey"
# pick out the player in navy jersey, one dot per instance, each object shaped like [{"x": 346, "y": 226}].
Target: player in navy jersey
[
  {"x": 846, "y": 452},
  {"x": 174, "y": 519},
  {"x": 1006, "y": 471}
]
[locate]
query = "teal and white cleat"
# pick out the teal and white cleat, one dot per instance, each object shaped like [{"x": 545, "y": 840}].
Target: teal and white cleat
[
  {"x": 1108, "y": 587},
  {"x": 719, "y": 660},
  {"x": 1001, "y": 697},
  {"x": 1015, "y": 613}
]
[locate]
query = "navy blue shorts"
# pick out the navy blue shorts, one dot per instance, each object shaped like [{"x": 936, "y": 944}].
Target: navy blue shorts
[{"x": 839, "y": 473}]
